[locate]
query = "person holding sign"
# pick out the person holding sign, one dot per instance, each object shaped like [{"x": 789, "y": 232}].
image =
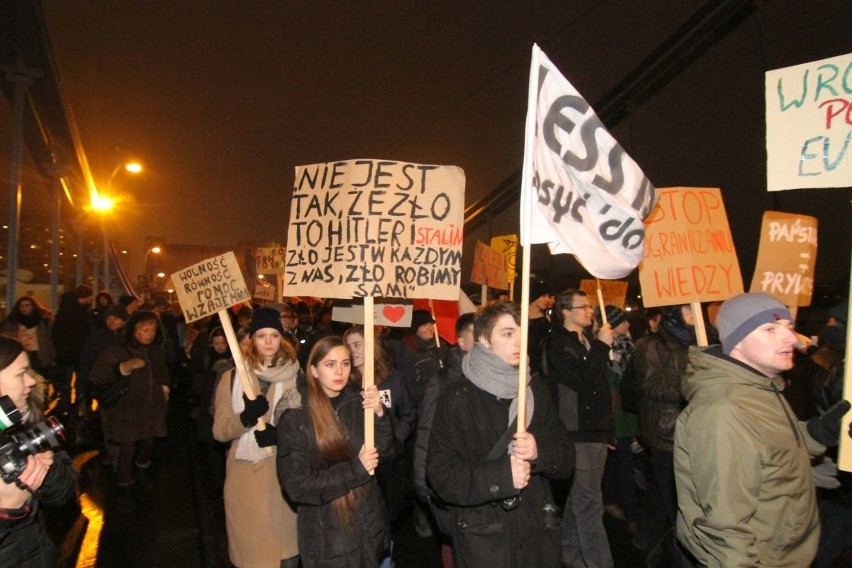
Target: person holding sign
[
  {"x": 576, "y": 369},
  {"x": 261, "y": 524},
  {"x": 393, "y": 475},
  {"x": 745, "y": 489},
  {"x": 325, "y": 468},
  {"x": 495, "y": 481}
]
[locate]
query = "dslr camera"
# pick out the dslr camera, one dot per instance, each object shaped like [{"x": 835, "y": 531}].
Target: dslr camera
[{"x": 16, "y": 443}]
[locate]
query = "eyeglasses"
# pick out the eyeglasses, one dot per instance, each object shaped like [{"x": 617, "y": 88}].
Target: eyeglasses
[
  {"x": 583, "y": 307},
  {"x": 288, "y": 317}
]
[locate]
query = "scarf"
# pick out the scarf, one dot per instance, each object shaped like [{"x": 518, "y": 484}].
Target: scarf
[
  {"x": 490, "y": 373},
  {"x": 277, "y": 382}
]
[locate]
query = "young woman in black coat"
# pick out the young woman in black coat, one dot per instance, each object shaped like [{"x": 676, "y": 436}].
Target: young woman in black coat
[{"x": 324, "y": 466}]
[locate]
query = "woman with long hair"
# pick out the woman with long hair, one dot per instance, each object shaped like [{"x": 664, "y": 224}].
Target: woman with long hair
[
  {"x": 325, "y": 468},
  {"x": 47, "y": 478},
  {"x": 261, "y": 524}
]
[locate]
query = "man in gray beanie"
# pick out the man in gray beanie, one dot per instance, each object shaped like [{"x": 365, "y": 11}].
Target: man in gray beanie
[{"x": 742, "y": 463}]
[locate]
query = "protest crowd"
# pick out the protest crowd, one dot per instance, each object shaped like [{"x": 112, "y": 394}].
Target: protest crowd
[{"x": 625, "y": 417}]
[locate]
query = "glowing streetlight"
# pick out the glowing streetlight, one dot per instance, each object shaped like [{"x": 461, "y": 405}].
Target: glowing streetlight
[
  {"x": 104, "y": 203},
  {"x": 152, "y": 250}
]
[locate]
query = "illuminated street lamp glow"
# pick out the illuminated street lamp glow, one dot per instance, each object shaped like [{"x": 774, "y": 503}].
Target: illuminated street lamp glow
[
  {"x": 156, "y": 250},
  {"x": 102, "y": 203},
  {"x": 133, "y": 167}
]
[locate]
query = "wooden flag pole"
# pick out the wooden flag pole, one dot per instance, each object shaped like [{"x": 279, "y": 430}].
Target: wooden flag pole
[
  {"x": 241, "y": 369},
  {"x": 369, "y": 379},
  {"x": 700, "y": 329},
  {"x": 604, "y": 320},
  {"x": 844, "y": 455},
  {"x": 525, "y": 324}
]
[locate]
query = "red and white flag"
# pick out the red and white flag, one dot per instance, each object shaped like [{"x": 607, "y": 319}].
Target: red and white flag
[{"x": 580, "y": 193}]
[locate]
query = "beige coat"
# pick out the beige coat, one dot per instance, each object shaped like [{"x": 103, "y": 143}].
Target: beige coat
[{"x": 261, "y": 525}]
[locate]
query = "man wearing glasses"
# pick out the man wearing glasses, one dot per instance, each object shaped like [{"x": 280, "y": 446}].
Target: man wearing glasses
[
  {"x": 575, "y": 371},
  {"x": 289, "y": 321}
]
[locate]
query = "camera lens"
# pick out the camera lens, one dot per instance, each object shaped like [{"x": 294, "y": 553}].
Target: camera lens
[{"x": 41, "y": 437}]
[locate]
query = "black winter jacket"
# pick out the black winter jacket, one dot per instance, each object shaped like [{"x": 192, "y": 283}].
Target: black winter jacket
[
  {"x": 468, "y": 423},
  {"x": 312, "y": 485},
  {"x": 581, "y": 387},
  {"x": 23, "y": 543}
]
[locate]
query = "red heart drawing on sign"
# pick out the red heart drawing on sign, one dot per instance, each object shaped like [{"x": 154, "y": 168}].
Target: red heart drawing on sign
[{"x": 393, "y": 313}]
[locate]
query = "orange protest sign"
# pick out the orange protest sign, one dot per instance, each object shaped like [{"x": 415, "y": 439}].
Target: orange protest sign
[
  {"x": 786, "y": 258},
  {"x": 489, "y": 267},
  {"x": 689, "y": 251},
  {"x": 614, "y": 291}
]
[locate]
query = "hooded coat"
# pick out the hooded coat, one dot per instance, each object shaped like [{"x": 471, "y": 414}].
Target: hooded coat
[
  {"x": 141, "y": 412},
  {"x": 742, "y": 463}
]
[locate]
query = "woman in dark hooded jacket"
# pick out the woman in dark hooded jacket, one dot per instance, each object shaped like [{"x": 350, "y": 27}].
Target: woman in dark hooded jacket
[
  {"x": 139, "y": 415},
  {"x": 29, "y": 323},
  {"x": 46, "y": 478}
]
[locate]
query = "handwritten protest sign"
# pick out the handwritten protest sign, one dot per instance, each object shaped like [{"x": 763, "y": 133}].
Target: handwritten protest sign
[
  {"x": 376, "y": 228},
  {"x": 269, "y": 260},
  {"x": 507, "y": 245},
  {"x": 267, "y": 293},
  {"x": 809, "y": 125},
  {"x": 489, "y": 267},
  {"x": 210, "y": 286},
  {"x": 384, "y": 313},
  {"x": 786, "y": 258},
  {"x": 614, "y": 291},
  {"x": 689, "y": 251}
]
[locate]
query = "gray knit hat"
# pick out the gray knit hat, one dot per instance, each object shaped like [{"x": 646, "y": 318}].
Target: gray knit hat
[{"x": 744, "y": 313}]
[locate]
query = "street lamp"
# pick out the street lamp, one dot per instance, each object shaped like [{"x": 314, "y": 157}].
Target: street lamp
[
  {"x": 104, "y": 203},
  {"x": 155, "y": 250}
]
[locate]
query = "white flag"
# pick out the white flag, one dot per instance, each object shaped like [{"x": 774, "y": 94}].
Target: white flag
[{"x": 580, "y": 193}]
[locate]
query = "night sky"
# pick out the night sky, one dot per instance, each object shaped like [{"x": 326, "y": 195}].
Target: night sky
[{"x": 222, "y": 99}]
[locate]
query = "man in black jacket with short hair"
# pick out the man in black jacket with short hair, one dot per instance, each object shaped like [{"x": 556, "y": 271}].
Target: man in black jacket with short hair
[{"x": 494, "y": 480}]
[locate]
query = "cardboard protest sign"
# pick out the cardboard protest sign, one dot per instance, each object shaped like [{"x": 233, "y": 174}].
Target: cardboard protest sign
[
  {"x": 689, "y": 250},
  {"x": 375, "y": 228},
  {"x": 269, "y": 260},
  {"x": 809, "y": 125},
  {"x": 614, "y": 291},
  {"x": 580, "y": 192},
  {"x": 385, "y": 312},
  {"x": 210, "y": 286},
  {"x": 266, "y": 292},
  {"x": 786, "y": 258},
  {"x": 507, "y": 245},
  {"x": 489, "y": 267}
]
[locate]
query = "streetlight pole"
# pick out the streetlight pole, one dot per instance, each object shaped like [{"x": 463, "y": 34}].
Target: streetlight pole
[
  {"x": 155, "y": 250},
  {"x": 106, "y": 204}
]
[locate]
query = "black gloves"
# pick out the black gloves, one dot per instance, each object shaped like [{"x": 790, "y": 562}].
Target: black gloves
[
  {"x": 825, "y": 429},
  {"x": 254, "y": 409},
  {"x": 267, "y": 437}
]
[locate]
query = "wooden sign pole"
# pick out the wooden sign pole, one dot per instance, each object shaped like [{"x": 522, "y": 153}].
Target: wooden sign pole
[
  {"x": 700, "y": 326},
  {"x": 241, "y": 369},
  {"x": 369, "y": 378},
  {"x": 525, "y": 319}
]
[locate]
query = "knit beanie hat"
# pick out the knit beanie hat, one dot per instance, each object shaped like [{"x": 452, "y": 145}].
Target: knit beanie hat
[
  {"x": 744, "y": 313},
  {"x": 420, "y": 317},
  {"x": 614, "y": 315},
  {"x": 265, "y": 317}
]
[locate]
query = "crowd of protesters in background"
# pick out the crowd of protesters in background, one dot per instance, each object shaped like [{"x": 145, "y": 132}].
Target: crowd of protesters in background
[{"x": 620, "y": 408}]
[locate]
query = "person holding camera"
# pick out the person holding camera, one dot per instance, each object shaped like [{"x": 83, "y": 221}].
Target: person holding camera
[
  {"x": 28, "y": 481},
  {"x": 494, "y": 481}
]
